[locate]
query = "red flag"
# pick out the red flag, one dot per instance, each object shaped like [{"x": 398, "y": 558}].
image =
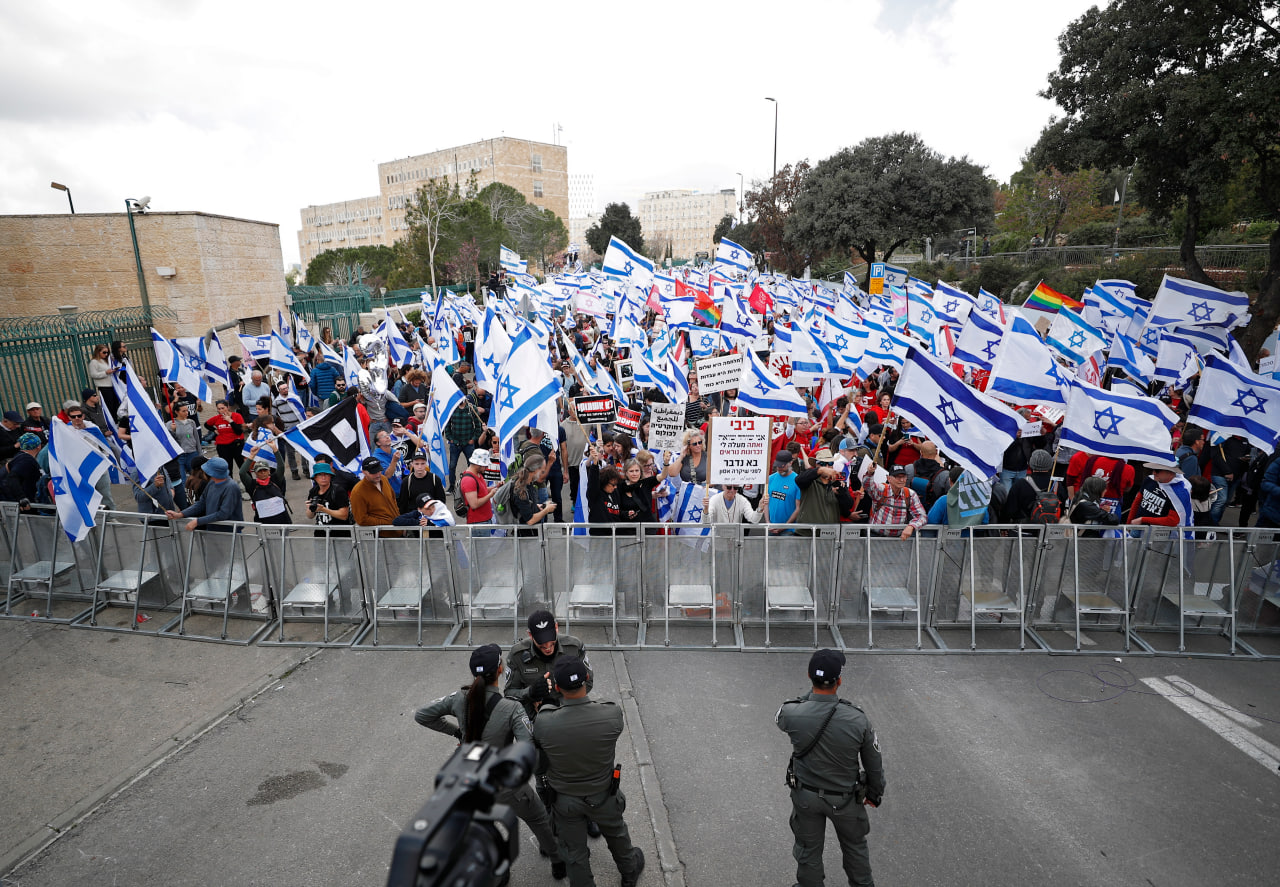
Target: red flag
[
  {"x": 653, "y": 303},
  {"x": 761, "y": 302}
]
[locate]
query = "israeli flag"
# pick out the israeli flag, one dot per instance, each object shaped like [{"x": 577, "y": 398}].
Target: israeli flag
[
  {"x": 623, "y": 262},
  {"x": 492, "y": 349},
  {"x": 581, "y": 509},
  {"x": 848, "y": 340},
  {"x": 884, "y": 346},
  {"x": 1111, "y": 297},
  {"x": 760, "y": 391},
  {"x": 398, "y": 349},
  {"x": 921, "y": 318},
  {"x": 951, "y": 304},
  {"x": 1129, "y": 360},
  {"x": 153, "y": 446},
  {"x": 215, "y": 363},
  {"x": 1117, "y": 425},
  {"x": 281, "y": 358},
  {"x": 1185, "y": 302},
  {"x": 350, "y": 366},
  {"x": 329, "y": 356},
  {"x": 178, "y": 367},
  {"x": 259, "y": 438},
  {"x": 74, "y": 466},
  {"x": 605, "y": 383},
  {"x": 256, "y": 347},
  {"x": 1024, "y": 370},
  {"x": 525, "y": 386},
  {"x": 282, "y": 325},
  {"x": 979, "y": 341},
  {"x": 586, "y": 377},
  {"x": 732, "y": 258},
  {"x": 510, "y": 260},
  {"x": 1207, "y": 338},
  {"x": 1176, "y": 360},
  {"x": 306, "y": 341},
  {"x": 1074, "y": 337},
  {"x": 972, "y": 429},
  {"x": 688, "y": 507},
  {"x": 1233, "y": 400},
  {"x": 989, "y": 305},
  {"x": 445, "y": 398},
  {"x": 811, "y": 356},
  {"x": 705, "y": 342}
]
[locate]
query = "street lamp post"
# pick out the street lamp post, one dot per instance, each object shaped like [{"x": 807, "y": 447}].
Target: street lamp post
[
  {"x": 57, "y": 186},
  {"x": 775, "y": 134},
  {"x": 742, "y": 197},
  {"x": 130, "y": 207}
]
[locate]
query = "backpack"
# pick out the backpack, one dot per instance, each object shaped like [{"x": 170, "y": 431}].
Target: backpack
[
  {"x": 10, "y": 488},
  {"x": 503, "y": 510},
  {"x": 1046, "y": 509},
  {"x": 937, "y": 487}
]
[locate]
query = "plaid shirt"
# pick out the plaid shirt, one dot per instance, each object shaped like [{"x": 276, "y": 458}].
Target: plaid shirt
[
  {"x": 891, "y": 507},
  {"x": 463, "y": 426}
]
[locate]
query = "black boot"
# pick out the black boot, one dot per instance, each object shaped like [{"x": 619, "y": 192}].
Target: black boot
[
  {"x": 634, "y": 878},
  {"x": 593, "y": 830}
]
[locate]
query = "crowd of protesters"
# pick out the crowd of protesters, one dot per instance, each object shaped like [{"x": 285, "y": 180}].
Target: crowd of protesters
[{"x": 855, "y": 462}]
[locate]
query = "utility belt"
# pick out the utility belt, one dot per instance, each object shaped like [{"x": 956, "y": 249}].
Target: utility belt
[
  {"x": 549, "y": 794},
  {"x": 859, "y": 792}
]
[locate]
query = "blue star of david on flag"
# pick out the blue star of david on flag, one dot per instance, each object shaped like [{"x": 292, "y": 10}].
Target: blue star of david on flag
[
  {"x": 990, "y": 350},
  {"x": 628, "y": 267},
  {"x": 951, "y": 306},
  {"x": 842, "y": 342},
  {"x": 733, "y": 254},
  {"x": 59, "y": 486},
  {"x": 1077, "y": 339},
  {"x": 508, "y": 392},
  {"x": 491, "y": 363},
  {"x": 763, "y": 387},
  {"x": 886, "y": 344},
  {"x": 947, "y": 409},
  {"x": 1257, "y": 405},
  {"x": 1112, "y": 422},
  {"x": 1201, "y": 312}
]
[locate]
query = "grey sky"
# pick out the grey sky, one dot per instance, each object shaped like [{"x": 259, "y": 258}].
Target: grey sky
[{"x": 256, "y": 109}]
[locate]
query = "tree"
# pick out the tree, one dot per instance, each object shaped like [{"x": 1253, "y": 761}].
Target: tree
[
  {"x": 885, "y": 192},
  {"x": 769, "y": 205},
  {"x": 1048, "y": 202},
  {"x": 291, "y": 277},
  {"x": 1178, "y": 88},
  {"x": 464, "y": 267},
  {"x": 616, "y": 221},
  {"x": 429, "y": 213},
  {"x": 726, "y": 224},
  {"x": 333, "y": 265}
]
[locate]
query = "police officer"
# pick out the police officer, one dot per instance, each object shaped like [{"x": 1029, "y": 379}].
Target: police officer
[
  {"x": 576, "y": 743},
  {"x": 483, "y": 715},
  {"x": 531, "y": 660},
  {"x": 828, "y": 736}
]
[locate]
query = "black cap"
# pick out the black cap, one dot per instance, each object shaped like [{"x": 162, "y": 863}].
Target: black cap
[
  {"x": 485, "y": 660},
  {"x": 897, "y": 471},
  {"x": 570, "y": 673},
  {"x": 542, "y": 626},
  {"x": 784, "y": 457},
  {"x": 371, "y": 464},
  {"x": 423, "y": 499},
  {"x": 824, "y": 666}
]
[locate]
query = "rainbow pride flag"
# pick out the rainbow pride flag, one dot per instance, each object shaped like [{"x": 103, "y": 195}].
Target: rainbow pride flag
[
  {"x": 705, "y": 309},
  {"x": 1044, "y": 298}
]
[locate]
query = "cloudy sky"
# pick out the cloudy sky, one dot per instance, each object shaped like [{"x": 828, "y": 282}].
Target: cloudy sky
[{"x": 256, "y": 109}]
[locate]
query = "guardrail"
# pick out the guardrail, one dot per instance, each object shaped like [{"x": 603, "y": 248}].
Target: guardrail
[{"x": 1008, "y": 588}]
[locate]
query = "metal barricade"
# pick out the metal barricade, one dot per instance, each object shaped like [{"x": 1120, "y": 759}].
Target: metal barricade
[
  {"x": 50, "y": 577},
  {"x": 226, "y": 590},
  {"x": 882, "y": 586},
  {"x": 786, "y": 584},
  {"x": 1188, "y": 575},
  {"x": 315, "y": 575},
  {"x": 138, "y": 566},
  {"x": 1258, "y": 591},
  {"x": 1086, "y": 573},
  {"x": 691, "y": 576},
  {"x": 594, "y": 579},
  {"x": 410, "y": 587},
  {"x": 8, "y": 525},
  {"x": 499, "y": 574},
  {"x": 981, "y": 577}
]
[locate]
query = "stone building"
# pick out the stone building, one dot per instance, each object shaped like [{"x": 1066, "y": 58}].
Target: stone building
[
  {"x": 686, "y": 220},
  {"x": 206, "y": 269},
  {"x": 537, "y": 170}
]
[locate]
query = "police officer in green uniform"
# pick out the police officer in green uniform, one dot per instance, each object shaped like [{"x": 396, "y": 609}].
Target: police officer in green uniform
[
  {"x": 530, "y": 660},
  {"x": 576, "y": 744},
  {"x": 483, "y": 715},
  {"x": 828, "y": 737}
]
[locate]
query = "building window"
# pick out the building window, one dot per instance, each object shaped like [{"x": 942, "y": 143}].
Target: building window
[
  {"x": 537, "y": 188},
  {"x": 537, "y": 163}
]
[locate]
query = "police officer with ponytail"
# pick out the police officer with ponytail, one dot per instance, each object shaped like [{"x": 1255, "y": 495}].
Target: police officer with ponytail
[{"x": 481, "y": 714}]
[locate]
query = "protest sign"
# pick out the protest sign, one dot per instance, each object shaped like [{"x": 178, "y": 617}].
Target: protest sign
[
  {"x": 739, "y": 450},
  {"x": 628, "y": 420},
  {"x": 719, "y": 373},
  {"x": 666, "y": 426},
  {"x": 626, "y": 373},
  {"x": 595, "y": 409}
]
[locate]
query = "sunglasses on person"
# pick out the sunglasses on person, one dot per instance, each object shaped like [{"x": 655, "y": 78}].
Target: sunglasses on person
[
  {"x": 75, "y": 415},
  {"x": 695, "y": 443}
]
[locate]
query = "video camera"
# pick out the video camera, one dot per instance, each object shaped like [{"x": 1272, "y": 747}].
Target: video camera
[{"x": 460, "y": 836}]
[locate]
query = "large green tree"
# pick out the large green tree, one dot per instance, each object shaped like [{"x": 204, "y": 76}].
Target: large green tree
[
  {"x": 330, "y": 266},
  {"x": 768, "y": 204},
  {"x": 616, "y": 221},
  {"x": 884, "y": 193},
  {"x": 1187, "y": 91}
]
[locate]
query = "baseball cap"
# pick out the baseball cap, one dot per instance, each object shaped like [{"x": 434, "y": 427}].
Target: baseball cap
[
  {"x": 261, "y": 464},
  {"x": 825, "y": 665},
  {"x": 783, "y": 458},
  {"x": 12, "y": 416},
  {"x": 846, "y": 444},
  {"x": 372, "y": 464},
  {"x": 542, "y": 625},
  {"x": 418, "y": 454},
  {"x": 34, "y": 406},
  {"x": 485, "y": 660},
  {"x": 898, "y": 471},
  {"x": 481, "y": 458},
  {"x": 321, "y": 468},
  {"x": 423, "y": 499},
  {"x": 217, "y": 467},
  {"x": 570, "y": 673}
]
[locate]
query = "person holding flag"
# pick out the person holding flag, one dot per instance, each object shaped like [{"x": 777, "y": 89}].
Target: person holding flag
[{"x": 1164, "y": 499}]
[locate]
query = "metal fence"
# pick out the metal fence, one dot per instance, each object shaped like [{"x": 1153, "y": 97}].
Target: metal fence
[
  {"x": 46, "y": 358},
  {"x": 1230, "y": 257},
  {"x": 337, "y": 307},
  {"x": 1058, "y": 589}
]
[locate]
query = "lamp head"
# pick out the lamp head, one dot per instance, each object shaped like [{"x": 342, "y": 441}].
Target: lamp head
[
  {"x": 139, "y": 205},
  {"x": 58, "y": 186}
]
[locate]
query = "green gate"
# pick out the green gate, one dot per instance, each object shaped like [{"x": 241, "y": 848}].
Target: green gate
[
  {"x": 46, "y": 358},
  {"x": 336, "y": 307}
]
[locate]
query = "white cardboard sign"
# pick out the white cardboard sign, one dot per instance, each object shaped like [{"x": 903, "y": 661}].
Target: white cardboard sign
[
  {"x": 666, "y": 426},
  {"x": 719, "y": 373},
  {"x": 739, "y": 450}
]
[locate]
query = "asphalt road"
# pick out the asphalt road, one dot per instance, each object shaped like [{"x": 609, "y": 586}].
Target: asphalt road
[{"x": 1002, "y": 769}]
